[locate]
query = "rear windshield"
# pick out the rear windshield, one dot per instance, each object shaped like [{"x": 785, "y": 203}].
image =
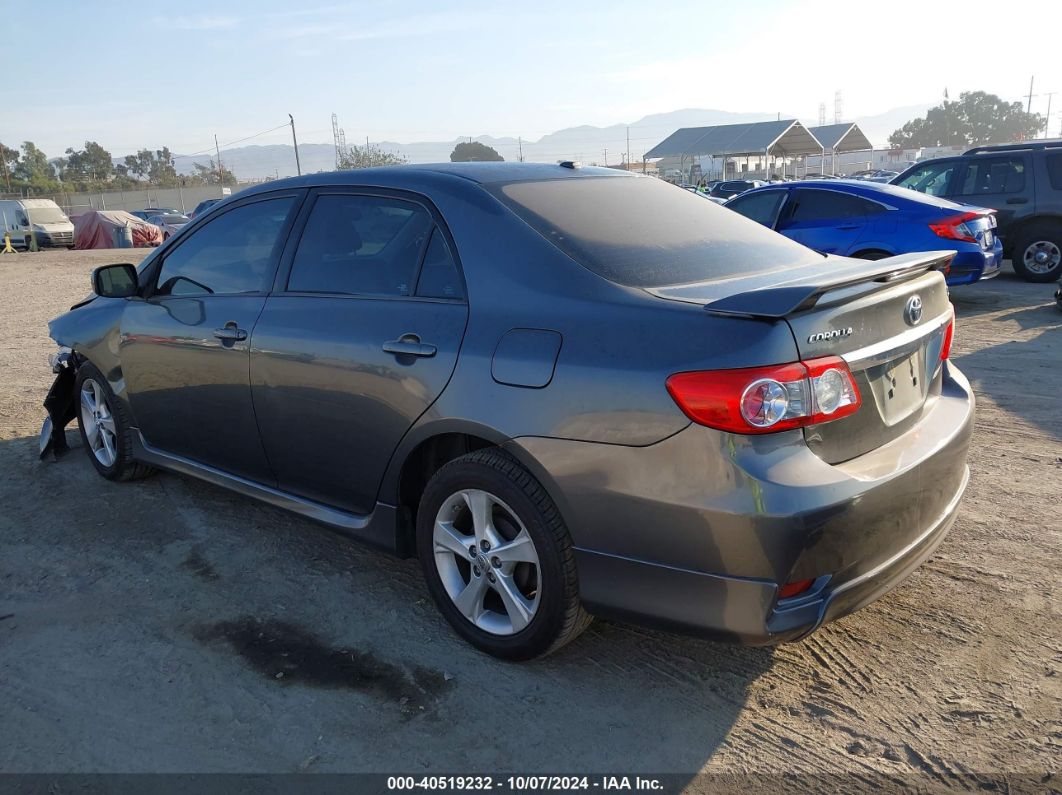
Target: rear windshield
[{"x": 643, "y": 232}]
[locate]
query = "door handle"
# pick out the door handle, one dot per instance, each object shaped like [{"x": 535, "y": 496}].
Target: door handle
[
  {"x": 1017, "y": 200},
  {"x": 230, "y": 333},
  {"x": 409, "y": 345}
]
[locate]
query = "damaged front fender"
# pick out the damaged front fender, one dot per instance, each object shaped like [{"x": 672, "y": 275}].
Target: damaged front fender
[{"x": 61, "y": 404}]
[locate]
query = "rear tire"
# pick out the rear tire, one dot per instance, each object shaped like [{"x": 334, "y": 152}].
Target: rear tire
[
  {"x": 106, "y": 431},
  {"x": 1037, "y": 253},
  {"x": 511, "y": 589}
]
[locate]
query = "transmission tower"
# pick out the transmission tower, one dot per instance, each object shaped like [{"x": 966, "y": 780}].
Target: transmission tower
[
  {"x": 338, "y": 137},
  {"x": 822, "y": 114},
  {"x": 838, "y": 107}
]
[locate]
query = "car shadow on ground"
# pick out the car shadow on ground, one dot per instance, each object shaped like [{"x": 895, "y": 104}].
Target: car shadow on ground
[
  {"x": 1020, "y": 376},
  {"x": 168, "y": 625}
]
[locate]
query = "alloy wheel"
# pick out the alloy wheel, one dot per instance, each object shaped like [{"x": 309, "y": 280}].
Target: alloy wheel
[
  {"x": 98, "y": 422},
  {"x": 1043, "y": 256},
  {"x": 487, "y": 561}
]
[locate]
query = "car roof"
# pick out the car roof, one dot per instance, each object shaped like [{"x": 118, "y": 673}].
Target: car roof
[{"x": 481, "y": 173}]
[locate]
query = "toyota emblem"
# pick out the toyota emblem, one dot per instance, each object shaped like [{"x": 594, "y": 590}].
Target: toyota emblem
[{"x": 912, "y": 313}]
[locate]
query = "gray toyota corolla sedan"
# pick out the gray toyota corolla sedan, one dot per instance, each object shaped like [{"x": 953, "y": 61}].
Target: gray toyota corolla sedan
[{"x": 569, "y": 391}]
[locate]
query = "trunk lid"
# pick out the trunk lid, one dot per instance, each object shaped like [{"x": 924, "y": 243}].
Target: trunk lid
[{"x": 886, "y": 319}]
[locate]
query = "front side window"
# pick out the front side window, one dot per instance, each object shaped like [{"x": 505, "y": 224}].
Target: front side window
[
  {"x": 993, "y": 175},
  {"x": 829, "y": 205},
  {"x": 232, "y": 254},
  {"x": 932, "y": 178},
  {"x": 759, "y": 207},
  {"x": 360, "y": 245}
]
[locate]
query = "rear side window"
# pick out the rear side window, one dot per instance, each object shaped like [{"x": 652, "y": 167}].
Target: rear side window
[
  {"x": 438, "y": 274},
  {"x": 931, "y": 178},
  {"x": 759, "y": 207},
  {"x": 1054, "y": 171},
  {"x": 360, "y": 245},
  {"x": 828, "y": 205},
  {"x": 643, "y": 232},
  {"x": 234, "y": 253},
  {"x": 993, "y": 175}
]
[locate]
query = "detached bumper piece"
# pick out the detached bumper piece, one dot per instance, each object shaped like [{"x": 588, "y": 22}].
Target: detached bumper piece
[{"x": 61, "y": 406}]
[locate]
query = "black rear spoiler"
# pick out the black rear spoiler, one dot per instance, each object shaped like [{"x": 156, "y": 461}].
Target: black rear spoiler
[{"x": 802, "y": 294}]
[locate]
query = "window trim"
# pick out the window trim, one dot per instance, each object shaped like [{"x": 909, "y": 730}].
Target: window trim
[
  {"x": 158, "y": 262},
  {"x": 287, "y": 259}
]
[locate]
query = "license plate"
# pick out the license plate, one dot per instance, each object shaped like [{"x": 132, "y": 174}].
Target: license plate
[{"x": 989, "y": 239}]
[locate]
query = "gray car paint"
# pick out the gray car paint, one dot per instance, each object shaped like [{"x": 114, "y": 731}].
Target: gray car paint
[{"x": 747, "y": 513}]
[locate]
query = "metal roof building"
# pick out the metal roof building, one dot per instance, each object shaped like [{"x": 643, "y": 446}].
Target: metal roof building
[
  {"x": 784, "y": 138},
  {"x": 841, "y": 138}
]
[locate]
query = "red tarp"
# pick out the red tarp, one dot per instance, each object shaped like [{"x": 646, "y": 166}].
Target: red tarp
[{"x": 95, "y": 229}]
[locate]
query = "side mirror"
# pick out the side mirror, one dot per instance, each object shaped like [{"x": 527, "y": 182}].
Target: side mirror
[{"x": 115, "y": 281}]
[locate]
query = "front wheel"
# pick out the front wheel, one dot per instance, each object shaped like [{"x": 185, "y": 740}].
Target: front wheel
[
  {"x": 498, "y": 558},
  {"x": 1037, "y": 253},
  {"x": 105, "y": 430}
]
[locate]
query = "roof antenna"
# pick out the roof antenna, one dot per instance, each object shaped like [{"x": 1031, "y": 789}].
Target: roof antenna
[{"x": 569, "y": 163}]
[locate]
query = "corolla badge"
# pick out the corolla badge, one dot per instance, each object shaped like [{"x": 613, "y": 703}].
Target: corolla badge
[
  {"x": 912, "y": 313},
  {"x": 832, "y": 334}
]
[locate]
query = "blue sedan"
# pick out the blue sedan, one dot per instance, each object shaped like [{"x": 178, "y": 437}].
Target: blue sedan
[{"x": 874, "y": 221}]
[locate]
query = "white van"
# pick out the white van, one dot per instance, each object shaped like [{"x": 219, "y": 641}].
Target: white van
[{"x": 41, "y": 217}]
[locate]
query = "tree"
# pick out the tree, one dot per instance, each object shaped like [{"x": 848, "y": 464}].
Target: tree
[
  {"x": 368, "y": 156},
  {"x": 8, "y": 164},
  {"x": 34, "y": 169},
  {"x": 474, "y": 151},
  {"x": 163, "y": 170},
  {"x": 208, "y": 175},
  {"x": 977, "y": 118},
  {"x": 91, "y": 163}
]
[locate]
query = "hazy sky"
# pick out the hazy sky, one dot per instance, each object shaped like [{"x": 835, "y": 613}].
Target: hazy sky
[{"x": 136, "y": 74}]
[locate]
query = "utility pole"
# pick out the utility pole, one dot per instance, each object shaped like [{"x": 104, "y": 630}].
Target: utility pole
[
  {"x": 221, "y": 171},
  {"x": 1047, "y": 119},
  {"x": 295, "y": 143},
  {"x": 1028, "y": 109},
  {"x": 628, "y": 147}
]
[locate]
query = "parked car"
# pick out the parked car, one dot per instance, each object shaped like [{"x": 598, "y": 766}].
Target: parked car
[
  {"x": 882, "y": 176},
  {"x": 170, "y": 223},
  {"x": 145, "y": 215},
  {"x": 568, "y": 391},
  {"x": 732, "y": 187},
  {"x": 202, "y": 207},
  {"x": 817, "y": 175},
  {"x": 43, "y": 219},
  {"x": 871, "y": 221},
  {"x": 1023, "y": 182}
]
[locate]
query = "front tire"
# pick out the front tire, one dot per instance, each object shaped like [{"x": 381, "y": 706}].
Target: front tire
[
  {"x": 497, "y": 557},
  {"x": 105, "y": 429},
  {"x": 1037, "y": 255}
]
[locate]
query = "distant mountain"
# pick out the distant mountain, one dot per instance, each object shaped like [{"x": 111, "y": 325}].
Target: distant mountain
[{"x": 585, "y": 143}]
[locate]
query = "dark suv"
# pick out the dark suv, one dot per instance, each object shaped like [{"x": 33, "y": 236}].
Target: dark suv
[{"x": 1022, "y": 182}]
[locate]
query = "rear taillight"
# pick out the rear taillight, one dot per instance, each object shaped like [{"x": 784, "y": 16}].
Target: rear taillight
[
  {"x": 795, "y": 588},
  {"x": 945, "y": 346},
  {"x": 956, "y": 228},
  {"x": 767, "y": 399}
]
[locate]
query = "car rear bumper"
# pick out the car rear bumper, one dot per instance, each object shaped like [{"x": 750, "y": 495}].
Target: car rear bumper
[
  {"x": 696, "y": 533},
  {"x": 972, "y": 266}
]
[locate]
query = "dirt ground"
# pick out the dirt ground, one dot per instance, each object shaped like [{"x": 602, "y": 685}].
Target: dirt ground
[{"x": 168, "y": 625}]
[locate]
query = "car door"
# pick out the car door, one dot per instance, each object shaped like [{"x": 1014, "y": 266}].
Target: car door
[
  {"x": 184, "y": 349},
  {"x": 826, "y": 220},
  {"x": 360, "y": 336},
  {"x": 1002, "y": 183}
]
